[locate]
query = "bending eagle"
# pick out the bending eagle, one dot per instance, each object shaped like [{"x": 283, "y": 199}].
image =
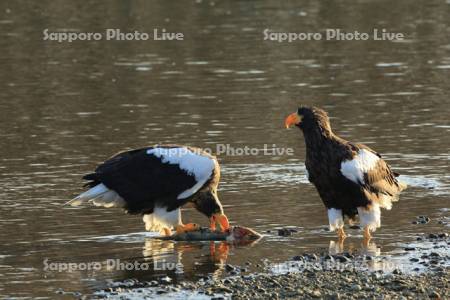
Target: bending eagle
[
  {"x": 157, "y": 182},
  {"x": 351, "y": 179}
]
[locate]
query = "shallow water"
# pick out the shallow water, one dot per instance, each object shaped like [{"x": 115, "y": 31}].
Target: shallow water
[{"x": 65, "y": 107}]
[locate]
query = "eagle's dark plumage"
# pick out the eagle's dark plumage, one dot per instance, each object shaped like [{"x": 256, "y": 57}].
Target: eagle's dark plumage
[
  {"x": 156, "y": 182},
  {"x": 351, "y": 178}
]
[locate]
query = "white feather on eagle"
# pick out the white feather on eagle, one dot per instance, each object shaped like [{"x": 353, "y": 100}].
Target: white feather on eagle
[
  {"x": 200, "y": 166},
  {"x": 355, "y": 168}
]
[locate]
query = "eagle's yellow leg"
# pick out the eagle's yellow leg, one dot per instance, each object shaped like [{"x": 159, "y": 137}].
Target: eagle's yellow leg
[
  {"x": 341, "y": 234},
  {"x": 167, "y": 231},
  {"x": 186, "y": 228},
  {"x": 367, "y": 235}
]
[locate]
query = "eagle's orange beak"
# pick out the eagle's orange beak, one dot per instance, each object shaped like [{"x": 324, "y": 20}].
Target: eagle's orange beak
[
  {"x": 292, "y": 119},
  {"x": 222, "y": 220}
]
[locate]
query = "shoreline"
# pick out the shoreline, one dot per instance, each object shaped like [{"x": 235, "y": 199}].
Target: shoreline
[{"x": 314, "y": 276}]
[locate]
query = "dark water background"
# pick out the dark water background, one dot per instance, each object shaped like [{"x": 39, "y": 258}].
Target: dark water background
[{"x": 64, "y": 107}]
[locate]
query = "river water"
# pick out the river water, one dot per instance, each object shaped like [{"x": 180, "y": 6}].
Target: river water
[{"x": 64, "y": 107}]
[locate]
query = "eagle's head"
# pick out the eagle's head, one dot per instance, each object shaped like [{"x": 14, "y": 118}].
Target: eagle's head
[
  {"x": 209, "y": 204},
  {"x": 309, "y": 119}
]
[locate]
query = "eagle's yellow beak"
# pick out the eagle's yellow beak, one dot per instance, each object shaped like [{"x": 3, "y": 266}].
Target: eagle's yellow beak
[{"x": 292, "y": 119}]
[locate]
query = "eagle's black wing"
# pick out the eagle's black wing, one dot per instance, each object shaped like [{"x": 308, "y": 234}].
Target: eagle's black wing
[{"x": 143, "y": 180}]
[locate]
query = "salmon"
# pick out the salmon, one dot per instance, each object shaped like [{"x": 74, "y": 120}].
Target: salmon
[{"x": 234, "y": 234}]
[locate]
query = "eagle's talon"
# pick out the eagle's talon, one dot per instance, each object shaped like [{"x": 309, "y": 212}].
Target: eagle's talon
[
  {"x": 167, "y": 231},
  {"x": 187, "y": 228}
]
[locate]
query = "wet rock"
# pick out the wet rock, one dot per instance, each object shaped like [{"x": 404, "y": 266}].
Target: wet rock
[
  {"x": 348, "y": 255},
  {"x": 312, "y": 257},
  {"x": 328, "y": 257},
  {"x": 434, "y": 254},
  {"x": 286, "y": 231},
  {"x": 297, "y": 258},
  {"x": 342, "y": 258},
  {"x": 414, "y": 259},
  {"x": 165, "y": 280},
  {"x": 335, "y": 296},
  {"x": 433, "y": 236},
  {"x": 434, "y": 295},
  {"x": 316, "y": 294},
  {"x": 229, "y": 268},
  {"x": 223, "y": 289},
  {"x": 355, "y": 227},
  {"x": 423, "y": 219},
  {"x": 409, "y": 249}
]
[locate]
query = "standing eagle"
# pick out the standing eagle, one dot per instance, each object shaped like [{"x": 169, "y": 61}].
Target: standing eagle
[
  {"x": 351, "y": 178},
  {"x": 157, "y": 182}
]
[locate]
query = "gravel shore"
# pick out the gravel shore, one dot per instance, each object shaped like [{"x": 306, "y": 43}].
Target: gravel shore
[{"x": 315, "y": 276}]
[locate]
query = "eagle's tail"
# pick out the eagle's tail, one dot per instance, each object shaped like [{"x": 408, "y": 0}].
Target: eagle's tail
[
  {"x": 401, "y": 185},
  {"x": 98, "y": 195}
]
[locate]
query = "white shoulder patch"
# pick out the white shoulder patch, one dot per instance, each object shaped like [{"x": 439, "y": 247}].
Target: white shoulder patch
[
  {"x": 194, "y": 164},
  {"x": 355, "y": 168}
]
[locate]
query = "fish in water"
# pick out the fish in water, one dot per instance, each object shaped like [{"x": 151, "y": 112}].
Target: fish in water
[{"x": 233, "y": 234}]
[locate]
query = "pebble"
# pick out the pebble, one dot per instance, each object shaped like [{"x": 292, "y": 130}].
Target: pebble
[
  {"x": 310, "y": 256},
  {"x": 229, "y": 268},
  {"x": 326, "y": 284},
  {"x": 342, "y": 258},
  {"x": 286, "y": 231},
  {"x": 165, "y": 280},
  {"x": 434, "y": 295},
  {"x": 329, "y": 257}
]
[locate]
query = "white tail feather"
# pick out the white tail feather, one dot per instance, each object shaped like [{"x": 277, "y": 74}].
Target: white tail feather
[{"x": 99, "y": 195}]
